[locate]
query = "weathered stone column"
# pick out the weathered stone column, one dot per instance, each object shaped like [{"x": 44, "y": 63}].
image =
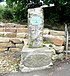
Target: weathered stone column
[{"x": 35, "y": 25}]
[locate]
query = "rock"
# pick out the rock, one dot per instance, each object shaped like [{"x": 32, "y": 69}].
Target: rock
[
  {"x": 19, "y": 46},
  {"x": 3, "y": 49},
  {"x": 5, "y": 45},
  {"x": 58, "y": 49},
  {"x": 21, "y": 26},
  {"x": 9, "y": 29},
  {"x": 57, "y": 33},
  {"x": 55, "y": 57},
  {"x": 52, "y": 37},
  {"x": 46, "y": 40},
  {"x": 15, "y": 49},
  {"x": 22, "y": 35},
  {"x": 2, "y": 24},
  {"x": 10, "y": 24},
  {"x": 58, "y": 56},
  {"x": 25, "y": 43},
  {"x": 1, "y": 35},
  {"x": 54, "y": 27},
  {"x": 4, "y": 40},
  {"x": 61, "y": 56},
  {"x": 10, "y": 35},
  {"x": 20, "y": 30},
  {"x": 50, "y": 46},
  {"x": 58, "y": 42},
  {"x": 46, "y": 31},
  {"x": 2, "y": 29},
  {"x": 15, "y": 41}
]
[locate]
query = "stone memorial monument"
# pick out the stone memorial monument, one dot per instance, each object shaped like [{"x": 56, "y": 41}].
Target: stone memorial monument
[
  {"x": 35, "y": 26},
  {"x": 35, "y": 56}
]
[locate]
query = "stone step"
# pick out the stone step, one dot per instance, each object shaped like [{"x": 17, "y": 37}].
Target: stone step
[
  {"x": 22, "y": 35},
  {"x": 7, "y": 39},
  {"x": 2, "y": 29},
  {"x": 15, "y": 41},
  {"x": 15, "y": 49},
  {"x": 3, "y": 49},
  {"x": 4, "y": 40},
  {"x": 13, "y": 35},
  {"x": 14, "y": 29},
  {"x": 7, "y": 34},
  {"x": 10, "y": 35},
  {"x": 6, "y": 45},
  {"x": 19, "y": 30}
]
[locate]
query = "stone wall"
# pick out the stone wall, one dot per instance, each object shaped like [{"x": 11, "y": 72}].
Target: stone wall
[
  {"x": 56, "y": 40},
  {"x": 14, "y": 37}
]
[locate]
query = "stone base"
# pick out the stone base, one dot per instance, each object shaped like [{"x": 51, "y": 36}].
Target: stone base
[{"x": 35, "y": 59}]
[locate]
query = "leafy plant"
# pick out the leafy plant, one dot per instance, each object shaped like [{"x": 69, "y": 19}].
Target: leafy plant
[
  {"x": 1, "y": 11},
  {"x": 7, "y": 14}
]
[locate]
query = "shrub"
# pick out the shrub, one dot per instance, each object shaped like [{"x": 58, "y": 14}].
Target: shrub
[
  {"x": 1, "y": 11},
  {"x": 7, "y": 14}
]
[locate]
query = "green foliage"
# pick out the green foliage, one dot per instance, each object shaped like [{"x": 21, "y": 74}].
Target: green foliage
[
  {"x": 62, "y": 11},
  {"x": 53, "y": 18},
  {"x": 7, "y": 14},
  {"x": 15, "y": 11},
  {"x": 1, "y": 11},
  {"x": 17, "y": 8},
  {"x": 67, "y": 12}
]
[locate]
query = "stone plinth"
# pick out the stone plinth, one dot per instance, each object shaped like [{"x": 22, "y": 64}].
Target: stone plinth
[{"x": 35, "y": 59}]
